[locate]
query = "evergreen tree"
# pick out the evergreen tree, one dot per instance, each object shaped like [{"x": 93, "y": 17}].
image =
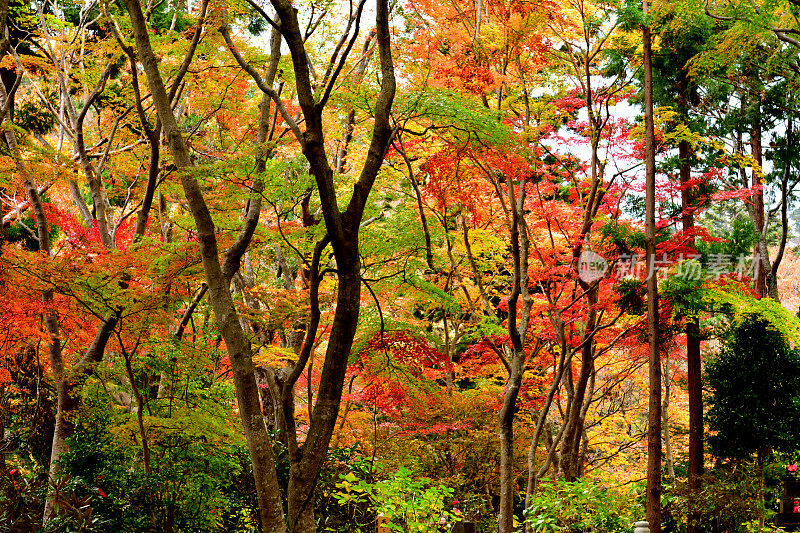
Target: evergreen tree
[{"x": 755, "y": 401}]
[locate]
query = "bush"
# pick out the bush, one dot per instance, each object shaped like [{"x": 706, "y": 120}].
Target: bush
[
  {"x": 730, "y": 499},
  {"x": 410, "y": 504},
  {"x": 582, "y": 506}
]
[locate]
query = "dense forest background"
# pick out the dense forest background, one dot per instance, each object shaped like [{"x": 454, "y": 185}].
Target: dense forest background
[{"x": 532, "y": 265}]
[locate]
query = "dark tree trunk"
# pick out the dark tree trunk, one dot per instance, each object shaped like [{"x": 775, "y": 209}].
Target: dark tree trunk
[
  {"x": 570, "y": 446},
  {"x": 693, "y": 358},
  {"x": 517, "y": 326},
  {"x": 506, "y": 431}
]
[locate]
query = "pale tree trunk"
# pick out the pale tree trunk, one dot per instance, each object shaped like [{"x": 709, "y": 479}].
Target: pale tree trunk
[
  {"x": 765, "y": 282},
  {"x": 69, "y": 381},
  {"x": 653, "y": 506},
  {"x": 64, "y": 382},
  {"x": 101, "y": 209}
]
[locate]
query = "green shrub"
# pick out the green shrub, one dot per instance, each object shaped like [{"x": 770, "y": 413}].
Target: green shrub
[
  {"x": 411, "y": 504},
  {"x": 582, "y": 506}
]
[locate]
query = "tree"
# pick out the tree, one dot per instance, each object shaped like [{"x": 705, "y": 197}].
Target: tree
[
  {"x": 342, "y": 234},
  {"x": 743, "y": 77},
  {"x": 685, "y": 33},
  {"x": 754, "y": 405},
  {"x": 365, "y": 309},
  {"x": 654, "y": 407},
  {"x": 778, "y": 17}
]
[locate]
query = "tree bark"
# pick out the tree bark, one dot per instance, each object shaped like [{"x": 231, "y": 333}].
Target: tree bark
[
  {"x": 342, "y": 229},
  {"x": 693, "y": 358},
  {"x": 761, "y": 254},
  {"x": 517, "y": 325},
  {"x": 570, "y": 446},
  {"x": 564, "y": 361},
  {"x": 506, "y": 431},
  {"x": 668, "y": 458},
  {"x": 653, "y": 506},
  {"x": 65, "y": 381},
  {"x": 343, "y": 234},
  {"x": 239, "y": 350},
  {"x": 573, "y": 426},
  {"x": 62, "y": 426}
]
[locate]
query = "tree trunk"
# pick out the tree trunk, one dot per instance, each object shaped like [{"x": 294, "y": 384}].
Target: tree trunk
[
  {"x": 573, "y": 426},
  {"x": 654, "y": 405},
  {"x": 308, "y": 460},
  {"x": 62, "y": 426},
  {"x": 258, "y": 442},
  {"x": 506, "y": 431},
  {"x": 693, "y": 359},
  {"x": 517, "y": 325},
  {"x": 694, "y": 385},
  {"x": 570, "y": 446},
  {"x": 761, "y": 255},
  {"x": 541, "y": 422},
  {"x": 342, "y": 233}
]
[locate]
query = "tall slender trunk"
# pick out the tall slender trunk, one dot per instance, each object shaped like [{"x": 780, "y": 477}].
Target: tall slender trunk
[
  {"x": 761, "y": 255},
  {"x": 64, "y": 381},
  {"x": 693, "y": 358},
  {"x": 62, "y": 425},
  {"x": 695, "y": 390},
  {"x": 654, "y": 404}
]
